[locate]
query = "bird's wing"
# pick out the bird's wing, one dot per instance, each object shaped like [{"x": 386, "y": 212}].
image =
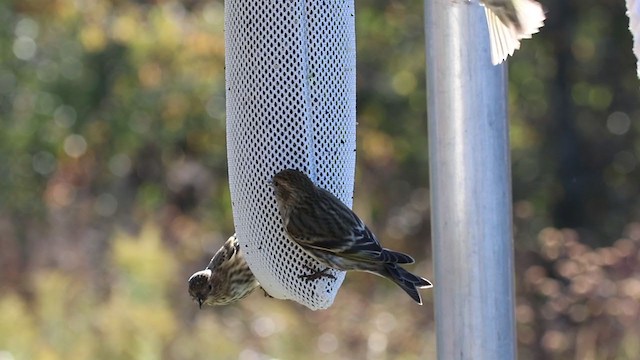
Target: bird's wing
[
  {"x": 503, "y": 39},
  {"x": 333, "y": 227},
  {"x": 230, "y": 247},
  {"x": 509, "y": 22},
  {"x": 367, "y": 248},
  {"x": 633, "y": 12}
]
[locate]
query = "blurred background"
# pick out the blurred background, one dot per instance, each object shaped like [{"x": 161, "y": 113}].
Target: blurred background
[{"x": 114, "y": 187}]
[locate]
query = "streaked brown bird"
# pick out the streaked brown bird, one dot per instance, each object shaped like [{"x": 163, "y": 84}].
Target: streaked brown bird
[
  {"x": 334, "y": 235},
  {"x": 226, "y": 279}
]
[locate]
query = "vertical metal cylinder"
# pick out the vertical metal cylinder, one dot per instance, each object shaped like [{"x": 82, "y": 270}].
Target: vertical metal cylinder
[{"x": 470, "y": 186}]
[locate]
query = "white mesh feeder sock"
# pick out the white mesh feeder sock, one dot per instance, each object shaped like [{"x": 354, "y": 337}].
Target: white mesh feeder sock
[{"x": 290, "y": 77}]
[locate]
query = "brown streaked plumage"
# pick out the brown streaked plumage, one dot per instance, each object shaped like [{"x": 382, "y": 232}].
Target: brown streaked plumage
[
  {"x": 225, "y": 280},
  {"x": 334, "y": 235}
]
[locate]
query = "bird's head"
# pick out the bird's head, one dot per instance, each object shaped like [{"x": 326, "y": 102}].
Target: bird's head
[
  {"x": 291, "y": 185},
  {"x": 200, "y": 286}
]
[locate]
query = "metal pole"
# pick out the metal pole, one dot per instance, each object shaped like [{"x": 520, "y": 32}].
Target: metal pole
[{"x": 470, "y": 186}]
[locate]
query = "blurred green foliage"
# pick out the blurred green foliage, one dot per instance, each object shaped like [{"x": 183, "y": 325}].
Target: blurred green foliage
[
  {"x": 113, "y": 178},
  {"x": 147, "y": 314}
]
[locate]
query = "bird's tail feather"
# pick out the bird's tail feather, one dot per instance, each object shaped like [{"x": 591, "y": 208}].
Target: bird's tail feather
[
  {"x": 409, "y": 282},
  {"x": 397, "y": 257}
]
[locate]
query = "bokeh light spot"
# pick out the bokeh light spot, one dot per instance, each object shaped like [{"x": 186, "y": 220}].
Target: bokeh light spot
[
  {"x": 404, "y": 82},
  {"x": 618, "y": 123},
  {"x": 555, "y": 341},
  {"x": 624, "y": 162},
  {"x": 264, "y": 326},
  {"x": 327, "y": 343},
  {"x": 377, "y": 342},
  {"x": 27, "y": 27},
  {"x": 64, "y": 116},
  {"x": 120, "y": 165},
  {"x": 386, "y": 322},
  {"x": 75, "y": 145},
  {"x": 524, "y": 314},
  {"x": 44, "y": 163},
  {"x": 24, "y": 48}
]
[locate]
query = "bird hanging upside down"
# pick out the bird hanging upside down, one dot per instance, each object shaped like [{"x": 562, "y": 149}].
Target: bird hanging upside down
[{"x": 226, "y": 279}]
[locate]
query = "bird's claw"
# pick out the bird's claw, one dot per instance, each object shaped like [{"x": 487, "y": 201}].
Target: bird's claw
[{"x": 266, "y": 294}]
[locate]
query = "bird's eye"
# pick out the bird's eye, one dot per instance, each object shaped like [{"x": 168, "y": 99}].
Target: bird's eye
[{"x": 209, "y": 287}]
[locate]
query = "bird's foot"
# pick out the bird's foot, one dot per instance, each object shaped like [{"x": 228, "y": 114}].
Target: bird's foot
[
  {"x": 316, "y": 274},
  {"x": 266, "y": 294}
]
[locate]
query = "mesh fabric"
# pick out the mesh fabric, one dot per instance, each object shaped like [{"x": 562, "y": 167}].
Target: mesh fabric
[{"x": 290, "y": 77}]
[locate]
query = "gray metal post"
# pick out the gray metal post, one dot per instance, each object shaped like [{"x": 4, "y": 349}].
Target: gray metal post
[{"x": 470, "y": 186}]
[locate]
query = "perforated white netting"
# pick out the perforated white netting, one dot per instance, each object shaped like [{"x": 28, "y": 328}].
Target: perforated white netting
[{"x": 290, "y": 77}]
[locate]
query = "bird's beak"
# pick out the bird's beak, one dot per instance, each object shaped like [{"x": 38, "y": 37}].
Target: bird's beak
[{"x": 200, "y": 301}]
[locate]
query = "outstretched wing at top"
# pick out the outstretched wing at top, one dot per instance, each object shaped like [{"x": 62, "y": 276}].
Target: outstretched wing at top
[{"x": 510, "y": 21}]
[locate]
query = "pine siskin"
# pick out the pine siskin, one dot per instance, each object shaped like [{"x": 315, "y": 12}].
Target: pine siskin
[
  {"x": 509, "y": 22},
  {"x": 226, "y": 279},
  {"x": 334, "y": 235}
]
